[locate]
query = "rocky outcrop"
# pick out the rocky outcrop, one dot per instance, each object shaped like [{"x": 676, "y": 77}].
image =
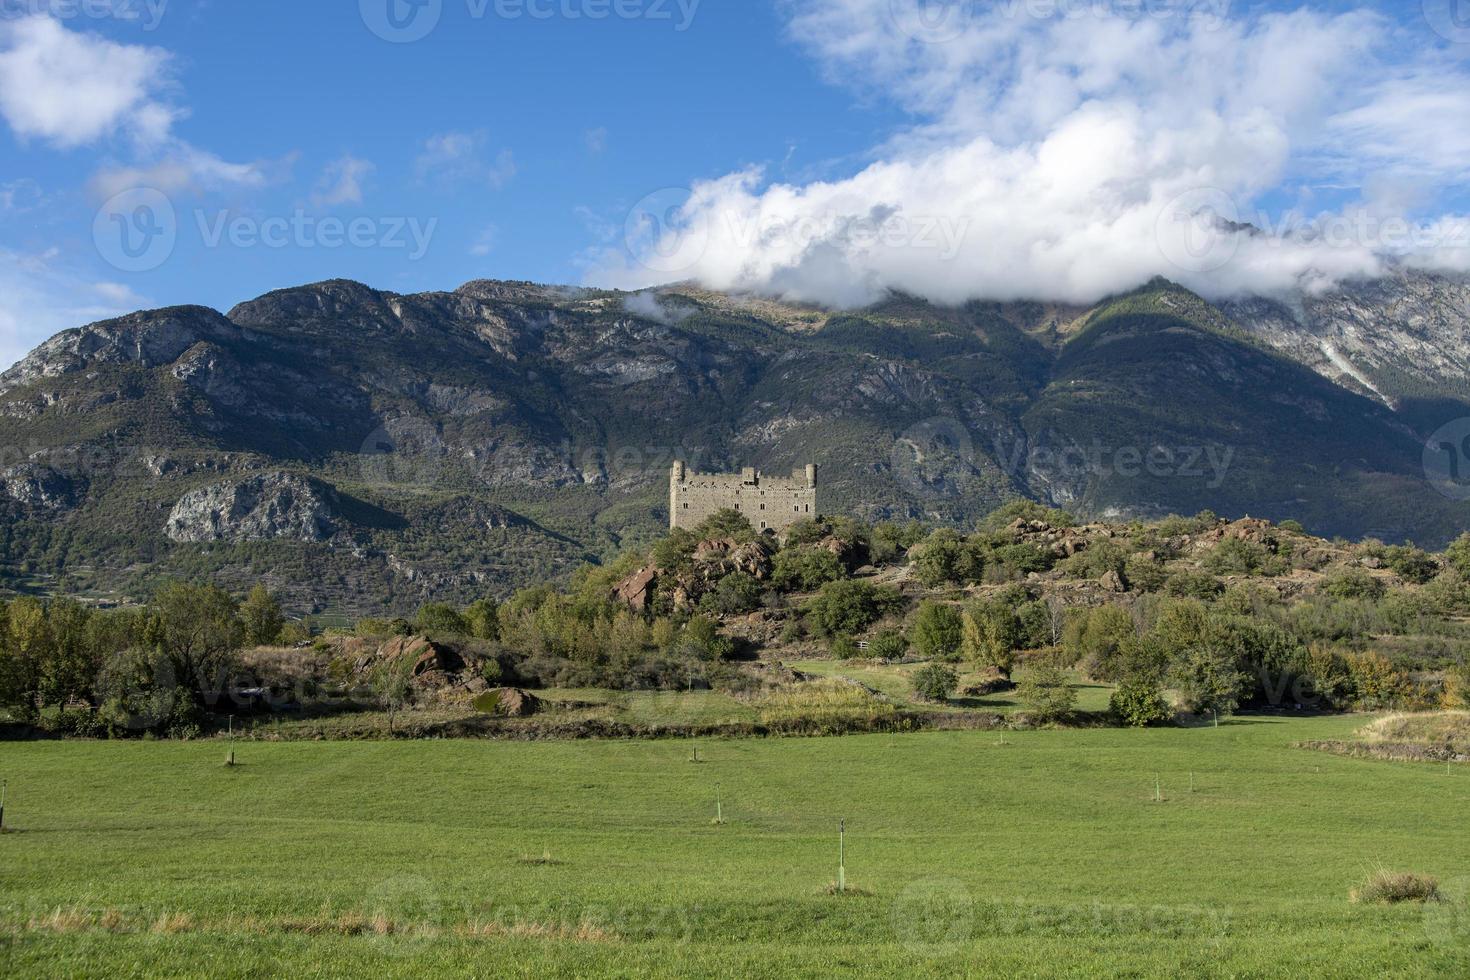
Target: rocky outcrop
[
  {"x": 637, "y": 589},
  {"x": 39, "y": 487},
  {"x": 265, "y": 507},
  {"x": 149, "y": 339}
]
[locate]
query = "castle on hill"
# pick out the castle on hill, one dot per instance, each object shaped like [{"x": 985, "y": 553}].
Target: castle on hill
[{"x": 770, "y": 503}]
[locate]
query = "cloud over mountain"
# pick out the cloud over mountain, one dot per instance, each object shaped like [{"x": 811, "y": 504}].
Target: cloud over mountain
[{"x": 1070, "y": 150}]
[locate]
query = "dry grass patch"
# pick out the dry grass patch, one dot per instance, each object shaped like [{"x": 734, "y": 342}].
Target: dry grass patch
[{"x": 1385, "y": 887}]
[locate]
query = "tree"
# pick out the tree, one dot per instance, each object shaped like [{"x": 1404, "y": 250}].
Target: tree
[
  {"x": 1097, "y": 640},
  {"x": 1457, "y": 555},
  {"x": 1046, "y": 692},
  {"x": 1207, "y": 680},
  {"x": 701, "y": 640},
  {"x": 992, "y": 635},
  {"x": 888, "y": 645},
  {"x": 68, "y": 664},
  {"x": 482, "y": 617},
  {"x": 198, "y": 631},
  {"x": 935, "y": 682},
  {"x": 937, "y": 631},
  {"x": 804, "y": 569},
  {"x": 850, "y": 607},
  {"x": 439, "y": 619},
  {"x": 1138, "y": 703},
  {"x": 734, "y": 595},
  {"x": 725, "y": 523},
  {"x": 261, "y": 614},
  {"x": 392, "y": 682}
]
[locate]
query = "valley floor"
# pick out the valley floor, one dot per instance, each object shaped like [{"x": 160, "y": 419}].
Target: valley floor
[{"x": 1034, "y": 853}]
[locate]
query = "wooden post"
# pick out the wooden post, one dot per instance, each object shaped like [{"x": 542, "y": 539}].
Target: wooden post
[
  {"x": 719, "y": 806},
  {"x": 4, "y": 785},
  {"x": 1158, "y": 789},
  {"x": 841, "y": 857}
]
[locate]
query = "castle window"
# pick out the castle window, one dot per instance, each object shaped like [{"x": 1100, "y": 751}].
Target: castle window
[
  {"x": 763, "y": 506},
  {"x": 686, "y": 505}
]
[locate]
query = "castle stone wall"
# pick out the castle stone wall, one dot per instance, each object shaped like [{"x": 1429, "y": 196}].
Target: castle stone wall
[{"x": 770, "y": 503}]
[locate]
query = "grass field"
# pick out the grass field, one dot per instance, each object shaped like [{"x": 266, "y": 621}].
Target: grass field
[{"x": 1032, "y": 853}]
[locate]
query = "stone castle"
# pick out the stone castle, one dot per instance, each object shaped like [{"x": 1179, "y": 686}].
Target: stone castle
[{"x": 770, "y": 503}]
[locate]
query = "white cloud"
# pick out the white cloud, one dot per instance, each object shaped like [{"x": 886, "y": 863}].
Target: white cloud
[
  {"x": 70, "y": 89},
  {"x": 185, "y": 170},
  {"x": 1069, "y": 157},
  {"x": 460, "y": 158},
  {"x": 341, "y": 182}
]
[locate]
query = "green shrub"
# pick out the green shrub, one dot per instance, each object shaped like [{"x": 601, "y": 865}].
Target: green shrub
[
  {"x": 1354, "y": 583},
  {"x": 734, "y": 595},
  {"x": 935, "y": 682},
  {"x": 844, "y": 648},
  {"x": 1139, "y": 703},
  {"x": 805, "y": 569},
  {"x": 439, "y": 619},
  {"x": 850, "y": 607},
  {"x": 1144, "y": 572},
  {"x": 1193, "y": 585}
]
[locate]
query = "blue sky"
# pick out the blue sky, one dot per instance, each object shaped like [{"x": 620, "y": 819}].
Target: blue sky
[{"x": 507, "y": 145}]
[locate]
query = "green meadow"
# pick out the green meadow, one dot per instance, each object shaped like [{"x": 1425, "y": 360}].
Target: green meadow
[{"x": 1025, "y": 853}]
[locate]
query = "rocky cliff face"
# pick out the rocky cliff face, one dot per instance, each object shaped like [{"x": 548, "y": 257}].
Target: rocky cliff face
[
  {"x": 386, "y": 448},
  {"x": 266, "y": 507}
]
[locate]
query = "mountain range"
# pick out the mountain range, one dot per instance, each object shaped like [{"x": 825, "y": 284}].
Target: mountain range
[{"x": 361, "y": 451}]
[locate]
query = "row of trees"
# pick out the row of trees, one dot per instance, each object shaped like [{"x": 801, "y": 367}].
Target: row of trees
[{"x": 156, "y": 667}]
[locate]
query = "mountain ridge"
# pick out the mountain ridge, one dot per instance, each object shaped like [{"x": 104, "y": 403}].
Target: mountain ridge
[{"x": 496, "y": 434}]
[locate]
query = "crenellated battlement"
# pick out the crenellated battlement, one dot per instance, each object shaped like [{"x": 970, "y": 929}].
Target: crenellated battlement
[{"x": 770, "y": 503}]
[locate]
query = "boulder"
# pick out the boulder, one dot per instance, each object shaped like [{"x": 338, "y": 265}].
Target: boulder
[
  {"x": 637, "y": 589},
  {"x": 509, "y": 702},
  {"x": 1113, "y": 582}
]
